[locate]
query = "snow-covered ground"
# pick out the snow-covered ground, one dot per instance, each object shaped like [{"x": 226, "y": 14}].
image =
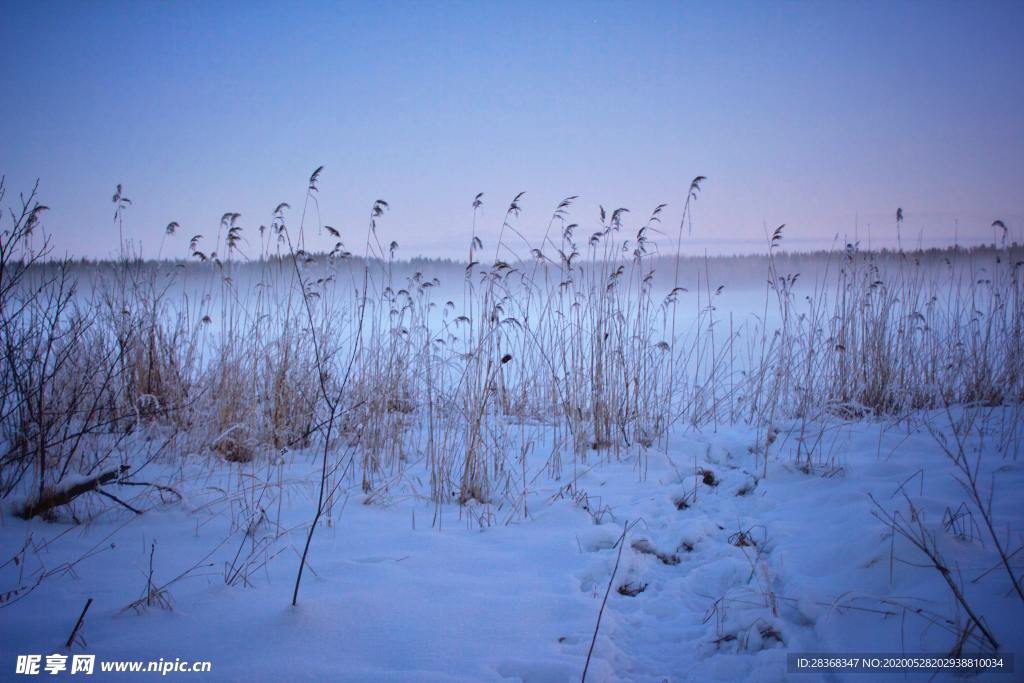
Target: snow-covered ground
[{"x": 739, "y": 564}]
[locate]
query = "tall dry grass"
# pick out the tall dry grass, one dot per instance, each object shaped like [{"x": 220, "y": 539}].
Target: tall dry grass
[{"x": 251, "y": 346}]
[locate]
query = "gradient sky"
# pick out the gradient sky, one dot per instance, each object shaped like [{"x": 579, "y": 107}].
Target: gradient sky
[{"x": 825, "y": 116}]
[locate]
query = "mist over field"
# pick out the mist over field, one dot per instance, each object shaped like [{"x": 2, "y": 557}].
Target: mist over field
[
  {"x": 511, "y": 342},
  {"x": 336, "y": 427}
]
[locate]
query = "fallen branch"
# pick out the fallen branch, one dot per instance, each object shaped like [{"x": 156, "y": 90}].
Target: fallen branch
[
  {"x": 55, "y": 498},
  {"x": 63, "y": 496}
]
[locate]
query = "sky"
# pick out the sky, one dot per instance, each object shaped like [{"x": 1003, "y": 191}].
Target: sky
[{"x": 825, "y": 116}]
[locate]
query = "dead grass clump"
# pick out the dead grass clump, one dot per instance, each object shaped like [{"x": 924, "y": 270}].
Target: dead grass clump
[
  {"x": 746, "y": 489},
  {"x": 645, "y": 547},
  {"x": 260, "y": 342},
  {"x": 233, "y": 450},
  {"x": 632, "y": 589},
  {"x": 707, "y": 477}
]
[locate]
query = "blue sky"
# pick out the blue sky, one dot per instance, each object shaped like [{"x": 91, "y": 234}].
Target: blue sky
[{"x": 823, "y": 116}]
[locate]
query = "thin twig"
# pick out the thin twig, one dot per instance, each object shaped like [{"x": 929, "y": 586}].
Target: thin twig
[
  {"x": 114, "y": 498},
  {"x": 78, "y": 624},
  {"x": 600, "y": 613}
]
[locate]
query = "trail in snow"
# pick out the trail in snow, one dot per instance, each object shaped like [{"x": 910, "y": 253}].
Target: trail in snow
[{"x": 736, "y": 569}]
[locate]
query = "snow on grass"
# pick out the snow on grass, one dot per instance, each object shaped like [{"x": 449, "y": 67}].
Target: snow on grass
[
  {"x": 751, "y": 568},
  {"x": 827, "y": 463}
]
